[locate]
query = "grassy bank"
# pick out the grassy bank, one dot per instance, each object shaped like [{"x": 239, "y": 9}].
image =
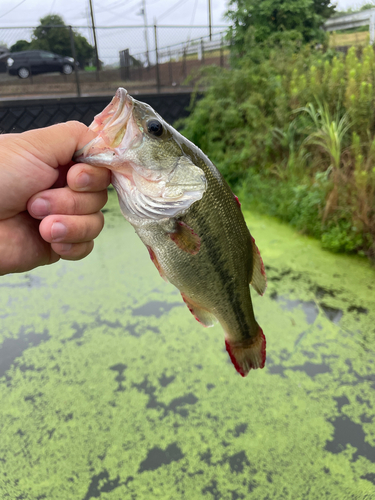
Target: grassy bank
[{"x": 293, "y": 130}]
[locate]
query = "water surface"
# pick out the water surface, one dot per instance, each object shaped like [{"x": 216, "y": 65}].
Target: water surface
[{"x": 110, "y": 389}]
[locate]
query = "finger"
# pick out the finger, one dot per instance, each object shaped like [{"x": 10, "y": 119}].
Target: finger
[
  {"x": 21, "y": 246},
  {"x": 73, "y": 251},
  {"x": 62, "y": 175},
  {"x": 66, "y": 202},
  {"x": 87, "y": 178},
  {"x": 71, "y": 228},
  {"x": 56, "y": 145}
]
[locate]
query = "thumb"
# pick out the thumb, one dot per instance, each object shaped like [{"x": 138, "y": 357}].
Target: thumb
[
  {"x": 55, "y": 145},
  {"x": 29, "y": 161}
]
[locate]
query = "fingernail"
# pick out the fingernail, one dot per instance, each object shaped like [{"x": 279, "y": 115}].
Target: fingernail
[
  {"x": 58, "y": 231},
  {"x": 83, "y": 180},
  {"x": 40, "y": 207}
]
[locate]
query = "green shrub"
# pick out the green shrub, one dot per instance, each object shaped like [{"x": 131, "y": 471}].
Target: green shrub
[{"x": 294, "y": 129}]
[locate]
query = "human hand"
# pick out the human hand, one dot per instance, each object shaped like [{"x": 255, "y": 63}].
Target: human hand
[{"x": 40, "y": 225}]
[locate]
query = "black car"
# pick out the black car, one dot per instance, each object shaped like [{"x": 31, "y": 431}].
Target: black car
[{"x": 33, "y": 62}]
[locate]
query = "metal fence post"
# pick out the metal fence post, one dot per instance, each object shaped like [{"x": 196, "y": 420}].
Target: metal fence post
[
  {"x": 202, "y": 50},
  {"x": 95, "y": 42},
  {"x": 184, "y": 63},
  {"x": 31, "y": 75},
  {"x": 125, "y": 64},
  {"x": 221, "y": 51},
  {"x": 372, "y": 28},
  {"x": 72, "y": 44},
  {"x": 157, "y": 60},
  {"x": 170, "y": 67}
]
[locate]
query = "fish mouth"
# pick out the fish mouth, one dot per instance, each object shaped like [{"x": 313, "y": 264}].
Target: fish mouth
[
  {"x": 144, "y": 192},
  {"x": 110, "y": 126}
]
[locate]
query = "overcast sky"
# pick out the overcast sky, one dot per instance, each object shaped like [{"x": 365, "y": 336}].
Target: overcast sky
[
  {"x": 110, "y": 13},
  {"x": 119, "y": 12}
]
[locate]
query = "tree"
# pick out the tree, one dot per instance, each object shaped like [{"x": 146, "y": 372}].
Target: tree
[
  {"x": 20, "y": 45},
  {"x": 54, "y": 35},
  {"x": 367, "y": 6},
  {"x": 268, "y": 17}
]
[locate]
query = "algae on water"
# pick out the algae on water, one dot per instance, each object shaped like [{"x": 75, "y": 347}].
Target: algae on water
[{"x": 110, "y": 389}]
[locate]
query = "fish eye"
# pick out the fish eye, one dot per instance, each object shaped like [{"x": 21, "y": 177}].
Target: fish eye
[{"x": 154, "y": 127}]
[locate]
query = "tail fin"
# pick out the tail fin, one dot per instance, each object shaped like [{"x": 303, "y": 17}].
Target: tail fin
[{"x": 246, "y": 357}]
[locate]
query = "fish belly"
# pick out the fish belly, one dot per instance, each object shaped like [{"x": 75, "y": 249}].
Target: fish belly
[{"x": 215, "y": 283}]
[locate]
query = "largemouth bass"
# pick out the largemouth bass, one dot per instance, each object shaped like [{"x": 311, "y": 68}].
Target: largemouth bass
[{"x": 188, "y": 218}]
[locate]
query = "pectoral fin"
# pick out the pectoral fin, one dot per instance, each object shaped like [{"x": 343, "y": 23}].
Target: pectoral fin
[{"x": 185, "y": 238}]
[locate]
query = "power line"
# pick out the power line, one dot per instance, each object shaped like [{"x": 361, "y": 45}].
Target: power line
[
  {"x": 171, "y": 9},
  {"x": 138, "y": 3},
  {"x": 110, "y": 6},
  {"x": 52, "y": 6},
  {"x": 192, "y": 19},
  {"x": 119, "y": 3},
  {"x": 13, "y": 8}
]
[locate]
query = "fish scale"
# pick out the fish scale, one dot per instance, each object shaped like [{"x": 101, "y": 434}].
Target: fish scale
[{"x": 202, "y": 244}]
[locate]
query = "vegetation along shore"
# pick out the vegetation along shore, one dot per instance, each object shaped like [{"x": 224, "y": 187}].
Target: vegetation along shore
[{"x": 292, "y": 128}]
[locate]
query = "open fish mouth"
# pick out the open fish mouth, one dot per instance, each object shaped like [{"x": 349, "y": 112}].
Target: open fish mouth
[
  {"x": 111, "y": 126},
  {"x": 153, "y": 178},
  {"x": 116, "y": 114}
]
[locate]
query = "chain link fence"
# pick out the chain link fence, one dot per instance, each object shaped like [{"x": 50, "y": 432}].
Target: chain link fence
[{"x": 143, "y": 59}]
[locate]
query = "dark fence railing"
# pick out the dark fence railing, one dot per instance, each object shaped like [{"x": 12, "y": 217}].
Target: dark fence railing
[
  {"x": 143, "y": 59},
  {"x": 22, "y": 115}
]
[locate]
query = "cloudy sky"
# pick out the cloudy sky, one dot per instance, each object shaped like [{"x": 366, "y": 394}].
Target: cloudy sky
[
  {"x": 110, "y": 13},
  {"x": 119, "y": 12}
]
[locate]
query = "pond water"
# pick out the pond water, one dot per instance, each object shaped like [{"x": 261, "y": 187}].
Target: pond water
[{"x": 110, "y": 389}]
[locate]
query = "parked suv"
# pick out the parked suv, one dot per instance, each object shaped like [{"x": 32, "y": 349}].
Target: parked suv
[{"x": 33, "y": 62}]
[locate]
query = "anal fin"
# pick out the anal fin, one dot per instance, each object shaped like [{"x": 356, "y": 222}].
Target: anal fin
[
  {"x": 202, "y": 315},
  {"x": 258, "y": 279}
]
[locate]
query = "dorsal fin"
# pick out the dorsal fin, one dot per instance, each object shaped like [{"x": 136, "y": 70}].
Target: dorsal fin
[{"x": 258, "y": 279}]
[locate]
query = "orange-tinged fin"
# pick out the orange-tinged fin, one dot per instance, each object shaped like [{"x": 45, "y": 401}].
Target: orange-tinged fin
[
  {"x": 237, "y": 200},
  {"x": 185, "y": 238},
  {"x": 246, "y": 357},
  {"x": 156, "y": 263},
  {"x": 202, "y": 315},
  {"x": 258, "y": 279}
]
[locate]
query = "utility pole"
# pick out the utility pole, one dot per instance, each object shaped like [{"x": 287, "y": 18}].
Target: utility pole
[
  {"x": 73, "y": 47},
  {"x": 146, "y": 35},
  {"x": 209, "y": 19},
  {"x": 157, "y": 58},
  {"x": 95, "y": 42}
]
